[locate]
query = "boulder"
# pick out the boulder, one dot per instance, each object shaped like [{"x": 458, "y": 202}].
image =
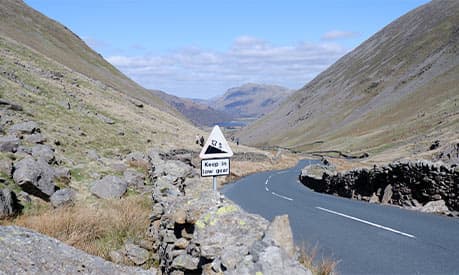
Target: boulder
[
  {"x": 239, "y": 229},
  {"x": 316, "y": 171},
  {"x": 9, "y": 205},
  {"x": 280, "y": 232},
  {"x": 29, "y": 127},
  {"x": 43, "y": 152},
  {"x": 63, "y": 197},
  {"x": 272, "y": 260},
  {"x": 185, "y": 262},
  {"x": 24, "y": 251},
  {"x": 9, "y": 144},
  {"x": 136, "y": 254},
  {"x": 438, "y": 206},
  {"x": 35, "y": 177},
  {"x": 109, "y": 187},
  {"x": 134, "y": 178}
]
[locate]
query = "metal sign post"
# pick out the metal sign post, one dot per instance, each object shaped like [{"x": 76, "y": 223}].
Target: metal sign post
[{"x": 215, "y": 156}]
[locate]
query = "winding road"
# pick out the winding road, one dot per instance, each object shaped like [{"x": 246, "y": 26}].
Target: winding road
[{"x": 363, "y": 238}]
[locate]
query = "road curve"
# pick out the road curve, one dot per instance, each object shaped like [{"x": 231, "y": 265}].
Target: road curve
[{"x": 363, "y": 238}]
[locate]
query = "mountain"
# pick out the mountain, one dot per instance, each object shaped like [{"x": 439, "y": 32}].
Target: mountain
[
  {"x": 398, "y": 91},
  {"x": 55, "y": 41},
  {"x": 196, "y": 111},
  {"x": 251, "y": 100},
  {"x": 80, "y": 102}
]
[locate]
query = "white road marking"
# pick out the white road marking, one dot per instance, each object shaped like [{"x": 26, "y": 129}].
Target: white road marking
[
  {"x": 267, "y": 180},
  {"x": 266, "y": 188},
  {"x": 366, "y": 222},
  {"x": 282, "y": 172},
  {"x": 283, "y": 197}
]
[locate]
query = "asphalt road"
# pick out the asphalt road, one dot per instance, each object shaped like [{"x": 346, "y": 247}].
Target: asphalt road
[{"x": 364, "y": 238}]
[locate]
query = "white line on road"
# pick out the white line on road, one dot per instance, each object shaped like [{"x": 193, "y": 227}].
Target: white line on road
[
  {"x": 283, "y": 197},
  {"x": 267, "y": 180},
  {"x": 266, "y": 188},
  {"x": 366, "y": 222},
  {"x": 282, "y": 172}
]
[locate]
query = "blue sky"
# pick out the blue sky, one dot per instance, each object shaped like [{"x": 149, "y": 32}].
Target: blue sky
[{"x": 202, "y": 48}]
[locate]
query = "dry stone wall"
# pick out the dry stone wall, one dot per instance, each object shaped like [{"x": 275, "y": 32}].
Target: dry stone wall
[
  {"x": 197, "y": 231},
  {"x": 408, "y": 184}
]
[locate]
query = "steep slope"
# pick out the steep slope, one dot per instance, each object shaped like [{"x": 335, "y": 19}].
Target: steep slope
[
  {"x": 398, "y": 90},
  {"x": 48, "y": 37},
  {"x": 80, "y": 102},
  {"x": 199, "y": 113},
  {"x": 251, "y": 100}
]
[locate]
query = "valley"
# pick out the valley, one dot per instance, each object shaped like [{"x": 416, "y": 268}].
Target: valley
[{"x": 98, "y": 167}]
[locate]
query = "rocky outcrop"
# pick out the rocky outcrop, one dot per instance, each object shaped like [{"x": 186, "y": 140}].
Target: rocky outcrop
[
  {"x": 27, "y": 252},
  {"x": 195, "y": 230},
  {"x": 109, "y": 187},
  {"x": 35, "y": 177},
  {"x": 63, "y": 197},
  {"x": 407, "y": 184}
]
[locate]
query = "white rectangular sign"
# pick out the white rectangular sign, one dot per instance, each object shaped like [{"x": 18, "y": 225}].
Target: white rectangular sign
[{"x": 215, "y": 167}]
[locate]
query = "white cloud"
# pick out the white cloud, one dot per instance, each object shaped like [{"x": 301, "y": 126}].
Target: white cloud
[
  {"x": 194, "y": 72},
  {"x": 336, "y": 34}
]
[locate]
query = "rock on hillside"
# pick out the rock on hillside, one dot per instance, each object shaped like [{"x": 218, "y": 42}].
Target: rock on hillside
[
  {"x": 200, "y": 114},
  {"x": 27, "y": 252},
  {"x": 398, "y": 87},
  {"x": 251, "y": 100}
]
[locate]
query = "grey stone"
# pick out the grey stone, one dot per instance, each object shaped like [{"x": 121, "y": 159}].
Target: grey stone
[
  {"x": 9, "y": 144},
  {"x": 28, "y": 127},
  {"x": 63, "y": 197},
  {"x": 136, "y": 254},
  {"x": 280, "y": 232},
  {"x": 62, "y": 174},
  {"x": 387, "y": 196},
  {"x": 226, "y": 226},
  {"x": 35, "y": 177},
  {"x": 92, "y": 155},
  {"x": 6, "y": 167},
  {"x": 27, "y": 252},
  {"x": 9, "y": 205},
  {"x": 232, "y": 255},
  {"x": 117, "y": 256},
  {"x": 158, "y": 211},
  {"x": 44, "y": 152},
  {"x": 438, "y": 206},
  {"x": 134, "y": 178},
  {"x": 186, "y": 262},
  {"x": 35, "y": 138},
  {"x": 118, "y": 166},
  {"x": 181, "y": 243},
  {"x": 109, "y": 187},
  {"x": 374, "y": 198},
  {"x": 272, "y": 260},
  {"x": 105, "y": 119}
]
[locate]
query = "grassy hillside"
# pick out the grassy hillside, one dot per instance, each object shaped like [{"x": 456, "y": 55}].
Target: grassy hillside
[
  {"x": 48, "y": 37},
  {"x": 251, "y": 100},
  {"x": 397, "y": 92}
]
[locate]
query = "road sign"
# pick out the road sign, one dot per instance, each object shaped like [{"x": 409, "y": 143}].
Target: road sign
[
  {"x": 216, "y": 146},
  {"x": 215, "y": 167}
]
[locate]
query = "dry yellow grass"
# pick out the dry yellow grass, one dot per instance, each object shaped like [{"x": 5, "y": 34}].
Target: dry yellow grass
[
  {"x": 96, "y": 228},
  {"x": 307, "y": 258}
]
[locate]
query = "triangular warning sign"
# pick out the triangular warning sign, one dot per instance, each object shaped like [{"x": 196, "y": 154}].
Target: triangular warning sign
[{"x": 216, "y": 146}]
